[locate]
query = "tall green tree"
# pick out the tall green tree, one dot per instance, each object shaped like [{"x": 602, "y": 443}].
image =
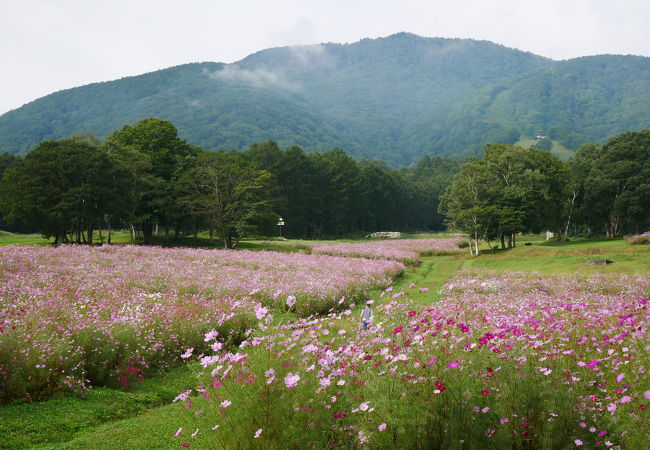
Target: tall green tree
[
  {"x": 230, "y": 193},
  {"x": 511, "y": 189},
  {"x": 617, "y": 190},
  {"x": 63, "y": 188},
  {"x": 168, "y": 156}
]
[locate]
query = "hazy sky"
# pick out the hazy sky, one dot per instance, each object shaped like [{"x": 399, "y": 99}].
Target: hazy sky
[{"x": 49, "y": 45}]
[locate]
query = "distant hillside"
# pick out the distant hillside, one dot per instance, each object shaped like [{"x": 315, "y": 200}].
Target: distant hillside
[{"x": 395, "y": 98}]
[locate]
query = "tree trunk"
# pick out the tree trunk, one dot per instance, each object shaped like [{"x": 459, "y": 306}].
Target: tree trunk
[
  {"x": 177, "y": 230},
  {"x": 503, "y": 242},
  {"x": 147, "y": 233},
  {"x": 60, "y": 238},
  {"x": 90, "y": 231},
  {"x": 510, "y": 240},
  {"x": 471, "y": 252},
  {"x": 568, "y": 221},
  {"x": 514, "y": 240}
]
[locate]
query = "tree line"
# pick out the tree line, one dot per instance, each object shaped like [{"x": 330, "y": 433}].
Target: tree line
[
  {"x": 144, "y": 178},
  {"x": 602, "y": 190}
]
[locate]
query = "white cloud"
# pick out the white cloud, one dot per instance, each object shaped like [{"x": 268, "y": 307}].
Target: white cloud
[{"x": 259, "y": 77}]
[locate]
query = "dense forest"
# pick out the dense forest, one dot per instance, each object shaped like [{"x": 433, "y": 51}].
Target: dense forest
[
  {"x": 396, "y": 99},
  {"x": 144, "y": 177}
]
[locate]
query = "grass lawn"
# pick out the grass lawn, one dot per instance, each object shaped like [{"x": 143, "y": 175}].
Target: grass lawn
[
  {"x": 7, "y": 238},
  {"x": 51, "y": 423},
  {"x": 557, "y": 149}
]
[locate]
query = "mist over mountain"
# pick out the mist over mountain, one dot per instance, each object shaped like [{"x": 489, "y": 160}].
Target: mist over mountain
[{"x": 395, "y": 98}]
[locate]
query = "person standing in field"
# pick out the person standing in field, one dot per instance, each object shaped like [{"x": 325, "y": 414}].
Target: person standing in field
[{"x": 366, "y": 315}]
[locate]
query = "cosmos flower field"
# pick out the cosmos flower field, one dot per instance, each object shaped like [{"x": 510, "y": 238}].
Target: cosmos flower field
[
  {"x": 405, "y": 250},
  {"x": 503, "y": 361},
  {"x": 74, "y": 317}
]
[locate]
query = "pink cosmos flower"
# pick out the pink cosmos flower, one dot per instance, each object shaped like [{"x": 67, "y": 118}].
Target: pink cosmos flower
[
  {"x": 257, "y": 433},
  {"x": 578, "y": 442},
  {"x": 226, "y": 403},
  {"x": 626, "y": 399},
  {"x": 210, "y": 335},
  {"x": 291, "y": 300},
  {"x": 382, "y": 427},
  {"x": 178, "y": 432},
  {"x": 611, "y": 408},
  {"x": 260, "y": 311},
  {"x": 452, "y": 364},
  {"x": 187, "y": 353},
  {"x": 291, "y": 380}
]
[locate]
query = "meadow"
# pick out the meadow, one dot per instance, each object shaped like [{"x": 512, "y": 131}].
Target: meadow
[
  {"x": 407, "y": 251},
  {"x": 76, "y": 316},
  {"x": 521, "y": 348}
]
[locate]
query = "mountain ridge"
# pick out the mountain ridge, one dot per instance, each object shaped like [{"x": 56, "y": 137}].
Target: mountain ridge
[{"x": 394, "y": 98}]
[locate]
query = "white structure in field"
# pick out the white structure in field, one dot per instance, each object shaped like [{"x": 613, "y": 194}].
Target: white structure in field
[
  {"x": 549, "y": 235},
  {"x": 386, "y": 235}
]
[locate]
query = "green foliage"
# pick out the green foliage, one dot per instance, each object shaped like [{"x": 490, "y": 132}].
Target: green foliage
[
  {"x": 330, "y": 194},
  {"x": 61, "y": 187},
  {"x": 230, "y": 194},
  {"x": 544, "y": 144},
  {"x": 613, "y": 183},
  {"x": 396, "y": 99},
  {"x": 510, "y": 190}
]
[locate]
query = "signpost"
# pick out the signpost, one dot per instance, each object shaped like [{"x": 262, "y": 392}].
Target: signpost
[{"x": 280, "y": 225}]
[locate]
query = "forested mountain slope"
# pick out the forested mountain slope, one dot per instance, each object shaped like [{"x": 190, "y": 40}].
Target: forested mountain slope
[{"x": 395, "y": 98}]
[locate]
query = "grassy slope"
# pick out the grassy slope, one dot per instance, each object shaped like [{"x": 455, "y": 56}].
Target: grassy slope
[
  {"x": 51, "y": 423},
  {"x": 149, "y": 421},
  {"x": 558, "y": 149}
]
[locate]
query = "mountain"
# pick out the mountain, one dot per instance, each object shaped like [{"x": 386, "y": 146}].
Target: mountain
[{"x": 395, "y": 98}]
